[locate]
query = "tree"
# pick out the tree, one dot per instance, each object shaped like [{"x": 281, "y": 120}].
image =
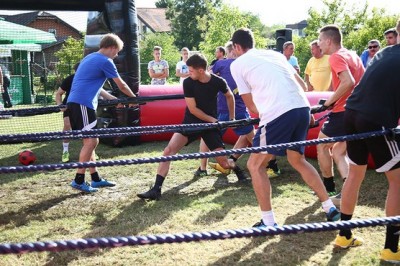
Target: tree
[
  {"x": 224, "y": 21},
  {"x": 70, "y": 54},
  {"x": 164, "y": 3},
  {"x": 358, "y": 25},
  {"x": 170, "y": 53},
  {"x": 185, "y": 16}
]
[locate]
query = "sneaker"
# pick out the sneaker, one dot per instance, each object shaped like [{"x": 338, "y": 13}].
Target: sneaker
[
  {"x": 390, "y": 256},
  {"x": 261, "y": 225},
  {"x": 240, "y": 174},
  {"x": 200, "y": 173},
  {"x": 343, "y": 242},
  {"x": 271, "y": 173},
  {"x": 152, "y": 194},
  {"x": 65, "y": 157},
  {"x": 336, "y": 199},
  {"x": 333, "y": 215},
  {"x": 85, "y": 187},
  {"x": 219, "y": 168},
  {"x": 102, "y": 183},
  {"x": 332, "y": 193}
]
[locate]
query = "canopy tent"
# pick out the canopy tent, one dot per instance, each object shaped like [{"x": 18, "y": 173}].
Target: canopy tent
[{"x": 11, "y": 33}]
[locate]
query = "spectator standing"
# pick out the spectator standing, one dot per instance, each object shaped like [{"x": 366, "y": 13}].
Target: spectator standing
[
  {"x": 158, "y": 68},
  {"x": 182, "y": 70},
  {"x": 4, "y": 85},
  {"x": 318, "y": 74},
  {"x": 391, "y": 36},
  {"x": 367, "y": 55},
  {"x": 288, "y": 51}
]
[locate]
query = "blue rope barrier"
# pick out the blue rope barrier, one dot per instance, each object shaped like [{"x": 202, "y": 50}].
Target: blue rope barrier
[
  {"x": 122, "y": 131},
  {"x": 178, "y": 157},
  {"x": 112, "y": 242}
]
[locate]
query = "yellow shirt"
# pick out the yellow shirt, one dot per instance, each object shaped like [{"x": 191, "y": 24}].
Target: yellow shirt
[{"x": 319, "y": 72}]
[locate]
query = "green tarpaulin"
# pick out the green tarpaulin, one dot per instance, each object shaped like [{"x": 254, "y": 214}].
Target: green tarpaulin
[{"x": 11, "y": 33}]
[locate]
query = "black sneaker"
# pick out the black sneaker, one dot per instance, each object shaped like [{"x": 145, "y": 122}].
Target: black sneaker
[
  {"x": 242, "y": 177},
  {"x": 152, "y": 194},
  {"x": 200, "y": 173}
]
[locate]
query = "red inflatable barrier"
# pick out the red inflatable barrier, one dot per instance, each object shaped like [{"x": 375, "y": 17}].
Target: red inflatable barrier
[{"x": 171, "y": 112}]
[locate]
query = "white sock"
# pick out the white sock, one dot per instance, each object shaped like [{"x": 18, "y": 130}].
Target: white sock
[
  {"x": 65, "y": 146},
  {"x": 327, "y": 205},
  {"x": 268, "y": 218}
]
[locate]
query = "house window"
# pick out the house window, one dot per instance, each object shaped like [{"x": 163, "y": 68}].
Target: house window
[
  {"x": 144, "y": 29},
  {"x": 54, "y": 31}
]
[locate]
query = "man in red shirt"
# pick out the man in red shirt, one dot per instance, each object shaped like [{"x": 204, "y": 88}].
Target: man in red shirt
[{"x": 347, "y": 70}]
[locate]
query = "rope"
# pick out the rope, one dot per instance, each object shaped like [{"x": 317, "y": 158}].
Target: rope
[
  {"x": 122, "y": 131},
  {"x": 112, "y": 242},
  {"x": 102, "y": 103},
  {"x": 178, "y": 157}
]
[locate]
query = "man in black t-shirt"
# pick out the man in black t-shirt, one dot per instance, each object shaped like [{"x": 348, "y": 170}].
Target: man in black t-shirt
[
  {"x": 200, "y": 91},
  {"x": 374, "y": 105},
  {"x": 65, "y": 88}
]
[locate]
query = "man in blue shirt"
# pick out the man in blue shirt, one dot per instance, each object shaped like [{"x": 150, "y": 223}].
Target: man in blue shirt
[{"x": 87, "y": 85}]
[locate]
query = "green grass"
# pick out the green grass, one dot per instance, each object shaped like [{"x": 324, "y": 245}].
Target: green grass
[{"x": 41, "y": 206}]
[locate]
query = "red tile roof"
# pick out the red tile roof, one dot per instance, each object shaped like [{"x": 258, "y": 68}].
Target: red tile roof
[{"x": 154, "y": 18}]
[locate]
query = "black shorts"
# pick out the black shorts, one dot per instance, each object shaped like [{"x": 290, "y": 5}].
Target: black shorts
[
  {"x": 81, "y": 117},
  {"x": 212, "y": 138},
  {"x": 384, "y": 150},
  {"x": 334, "y": 125}
]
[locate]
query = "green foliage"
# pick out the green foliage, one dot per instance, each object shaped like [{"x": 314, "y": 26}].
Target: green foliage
[
  {"x": 185, "y": 17},
  {"x": 170, "y": 53},
  {"x": 70, "y": 54},
  {"x": 223, "y": 23},
  {"x": 358, "y": 25}
]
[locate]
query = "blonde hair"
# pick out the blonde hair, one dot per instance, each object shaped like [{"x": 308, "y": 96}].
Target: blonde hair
[{"x": 111, "y": 40}]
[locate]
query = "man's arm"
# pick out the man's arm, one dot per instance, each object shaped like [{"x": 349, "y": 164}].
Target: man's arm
[
  {"x": 347, "y": 83},
  {"x": 309, "y": 86},
  {"x": 192, "y": 106},
  {"x": 248, "y": 101},
  {"x": 230, "y": 100},
  {"x": 123, "y": 87},
  {"x": 300, "y": 81}
]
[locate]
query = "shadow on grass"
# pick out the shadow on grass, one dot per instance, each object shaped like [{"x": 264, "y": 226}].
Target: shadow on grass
[
  {"x": 139, "y": 216},
  {"x": 32, "y": 212}
]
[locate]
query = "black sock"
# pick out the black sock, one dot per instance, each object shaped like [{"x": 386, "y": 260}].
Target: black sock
[
  {"x": 272, "y": 164},
  {"x": 233, "y": 158},
  {"x": 329, "y": 184},
  {"x": 392, "y": 239},
  {"x": 95, "y": 177},
  {"x": 159, "y": 182},
  {"x": 345, "y": 232},
  {"x": 79, "y": 179}
]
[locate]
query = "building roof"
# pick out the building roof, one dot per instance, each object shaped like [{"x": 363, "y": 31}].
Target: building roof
[
  {"x": 298, "y": 26},
  {"x": 154, "y": 18},
  {"x": 27, "y": 18}
]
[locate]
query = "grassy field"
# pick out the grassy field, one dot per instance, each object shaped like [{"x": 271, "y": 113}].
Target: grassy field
[{"x": 41, "y": 206}]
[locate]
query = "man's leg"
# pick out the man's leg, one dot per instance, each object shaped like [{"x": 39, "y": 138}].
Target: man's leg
[
  {"x": 177, "y": 142},
  {"x": 391, "y": 252},
  {"x": 262, "y": 186},
  {"x": 350, "y": 192},
  {"x": 326, "y": 164},
  {"x": 67, "y": 127},
  {"x": 313, "y": 180},
  {"x": 339, "y": 156},
  {"x": 202, "y": 170}
]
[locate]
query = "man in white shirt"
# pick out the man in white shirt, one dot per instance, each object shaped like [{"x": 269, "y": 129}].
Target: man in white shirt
[{"x": 271, "y": 88}]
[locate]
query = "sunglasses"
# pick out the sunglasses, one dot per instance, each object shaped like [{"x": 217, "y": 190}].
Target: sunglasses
[{"x": 373, "y": 46}]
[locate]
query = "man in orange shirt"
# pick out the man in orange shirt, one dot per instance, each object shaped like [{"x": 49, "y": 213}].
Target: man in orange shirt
[{"x": 347, "y": 70}]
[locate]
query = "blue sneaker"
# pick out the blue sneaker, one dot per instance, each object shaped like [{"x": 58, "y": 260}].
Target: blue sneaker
[
  {"x": 261, "y": 225},
  {"x": 85, "y": 187},
  {"x": 103, "y": 183},
  {"x": 333, "y": 215}
]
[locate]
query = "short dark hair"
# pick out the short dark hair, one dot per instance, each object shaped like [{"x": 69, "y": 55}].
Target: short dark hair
[
  {"x": 221, "y": 49},
  {"x": 392, "y": 30},
  {"x": 244, "y": 37},
  {"x": 332, "y": 32},
  {"x": 197, "y": 61}
]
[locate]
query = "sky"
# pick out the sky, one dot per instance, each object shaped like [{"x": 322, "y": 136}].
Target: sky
[{"x": 270, "y": 12}]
